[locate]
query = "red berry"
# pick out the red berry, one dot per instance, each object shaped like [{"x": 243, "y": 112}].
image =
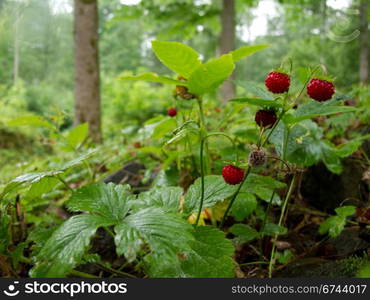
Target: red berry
[
  {"x": 265, "y": 118},
  {"x": 320, "y": 90},
  {"x": 232, "y": 175},
  {"x": 277, "y": 82},
  {"x": 172, "y": 112}
]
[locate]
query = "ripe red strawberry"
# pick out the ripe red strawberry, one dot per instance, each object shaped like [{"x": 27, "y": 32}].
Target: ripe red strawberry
[
  {"x": 320, "y": 90},
  {"x": 277, "y": 82},
  {"x": 232, "y": 175},
  {"x": 172, "y": 112},
  {"x": 265, "y": 118}
]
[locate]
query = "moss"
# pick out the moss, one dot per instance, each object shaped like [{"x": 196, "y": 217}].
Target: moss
[{"x": 306, "y": 268}]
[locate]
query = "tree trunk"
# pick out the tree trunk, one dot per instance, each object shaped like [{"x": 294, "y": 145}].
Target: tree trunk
[
  {"x": 16, "y": 45},
  {"x": 227, "y": 43},
  {"x": 364, "y": 43},
  {"x": 87, "y": 85}
]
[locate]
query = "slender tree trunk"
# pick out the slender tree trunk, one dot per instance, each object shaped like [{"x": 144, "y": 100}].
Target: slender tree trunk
[
  {"x": 364, "y": 42},
  {"x": 16, "y": 45},
  {"x": 87, "y": 85},
  {"x": 227, "y": 43}
]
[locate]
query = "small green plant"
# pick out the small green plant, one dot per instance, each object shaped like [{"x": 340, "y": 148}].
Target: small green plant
[
  {"x": 152, "y": 231},
  {"x": 335, "y": 224}
]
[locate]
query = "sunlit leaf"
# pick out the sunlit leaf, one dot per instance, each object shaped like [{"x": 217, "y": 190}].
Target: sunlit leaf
[
  {"x": 257, "y": 101},
  {"x": 246, "y": 51},
  {"x": 207, "y": 77},
  {"x": 153, "y": 77},
  {"x": 178, "y": 57}
]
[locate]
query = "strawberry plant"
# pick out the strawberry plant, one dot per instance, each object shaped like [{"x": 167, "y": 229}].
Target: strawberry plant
[{"x": 184, "y": 228}]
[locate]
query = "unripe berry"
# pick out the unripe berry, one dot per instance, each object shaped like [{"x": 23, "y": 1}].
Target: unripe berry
[{"x": 257, "y": 158}]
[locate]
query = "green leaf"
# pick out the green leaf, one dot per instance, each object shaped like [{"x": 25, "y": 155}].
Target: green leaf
[
  {"x": 209, "y": 76},
  {"x": 165, "y": 233},
  {"x": 67, "y": 245},
  {"x": 305, "y": 145},
  {"x": 31, "y": 120},
  {"x": 246, "y": 51},
  {"x": 153, "y": 77},
  {"x": 186, "y": 132},
  {"x": 265, "y": 194},
  {"x": 257, "y": 101},
  {"x": 35, "y": 177},
  {"x": 330, "y": 157},
  {"x": 333, "y": 226},
  {"x": 262, "y": 181},
  {"x": 108, "y": 200},
  {"x": 210, "y": 256},
  {"x": 263, "y": 187},
  {"x": 77, "y": 135},
  {"x": 345, "y": 211},
  {"x": 45, "y": 185},
  {"x": 215, "y": 190},
  {"x": 254, "y": 89},
  {"x": 273, "y": 229},
  {"x": 5, "y": 234},
  {"x": 158, "y": 127},
  {"x": 348, "y": 148},
  {"x": 30, "y": 178},
  {"x": 75, "y": 162},
  {"x": 244, "y": 232},
  {"x": 128, "y": 241},
  {"x": 164, "y": 127},
  {"x": 314, "y": 109},
  {"x": 178, "y": 57},
  {"x": 364, "y": 272},
  {"x": 284, "y": 257},
  {"x": 39, "y": 236},
  {"x": 166, "y": 198},
  {"x": 244, "y": 205}
]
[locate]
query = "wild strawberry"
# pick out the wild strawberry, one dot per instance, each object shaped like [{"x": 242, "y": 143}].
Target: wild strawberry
[
  {"x": 172, "y": 112},
  {"x": 257, "y": 158},
  {"x": 232, "y": 175},
  {"x": 277, "y": 82},
  {"x": 320, "y": 90},
  {"x": 265, "y": 118}
]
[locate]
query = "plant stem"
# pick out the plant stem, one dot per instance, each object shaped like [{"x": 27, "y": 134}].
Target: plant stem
[
  {"x": 202, "y": 182},
  {"x": 285, "y": 146},
  {"x": 255, "y": 263},
  {"x": 107, "y": 229},
  {"x": 278, "y": 120},
  {"x": 203, "y": 130},
  {"x": 234, "y": 197},
  {"x": 267, "y": 211},
  {"x": 286, "y": 200},
  {"x": 82, "y": 274},
  {"x": 118, "y": 272},
  {"x": 202, "y": 168},
  {"x": 65, "y": 183}
]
